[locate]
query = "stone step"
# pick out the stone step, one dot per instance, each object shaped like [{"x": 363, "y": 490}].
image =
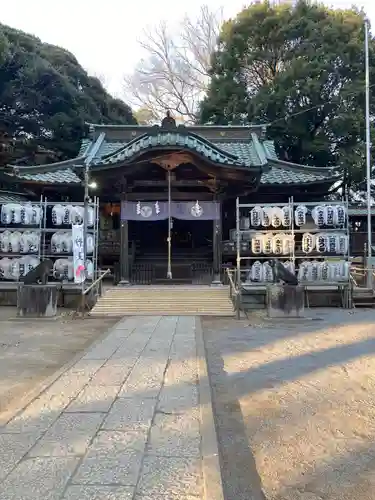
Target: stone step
[{"x": 165, "y": 301}]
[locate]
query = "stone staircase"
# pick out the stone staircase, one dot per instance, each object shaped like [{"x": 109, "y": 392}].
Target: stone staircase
[
  {"x": 164, "y": 300},
  {"x": 363, "y": 297}
]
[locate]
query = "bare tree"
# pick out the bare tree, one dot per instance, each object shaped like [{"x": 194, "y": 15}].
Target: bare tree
[{"x": 175, "y": 71}]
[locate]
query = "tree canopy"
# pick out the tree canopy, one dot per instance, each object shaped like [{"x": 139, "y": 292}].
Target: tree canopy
[
  {"x": 46, "y": 97},
  {"x": 300, "y": 68}
]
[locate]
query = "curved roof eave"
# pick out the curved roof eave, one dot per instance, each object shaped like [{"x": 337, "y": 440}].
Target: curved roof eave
[
  {"x": 49, "y": 167},
  {"x": 305, "y": 168},
  {"x": 168, "y": 141}
]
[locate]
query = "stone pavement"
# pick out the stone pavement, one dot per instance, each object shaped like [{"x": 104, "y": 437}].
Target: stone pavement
[{"x": 122, "y": 423}]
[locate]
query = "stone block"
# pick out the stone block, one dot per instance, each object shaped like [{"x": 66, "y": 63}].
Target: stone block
[
  {"x": 12, "y": 448},
  {"x": 69, "y": 435},
  {"x": 145, "y": 380},
  {"x": 107, "y": 443},
  {"x": 171, "y": 478},
  {"x": 112, "y": 373},
  {"x": 94, "y": 398},
  {"x": 285, "y": 301},
  {"x": 130, "y": 414},
  {"x": 37, "y": 301},
  {"x": 118, "y": 468},
  {"x": 81, "y": 492},
  {"x": 38, "y": 478},
  {"x": 178, "y": 398},
  {"x": 176, "y": 435}
]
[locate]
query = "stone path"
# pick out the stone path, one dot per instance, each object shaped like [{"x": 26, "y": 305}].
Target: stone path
[{"x": 122, "y": 423}]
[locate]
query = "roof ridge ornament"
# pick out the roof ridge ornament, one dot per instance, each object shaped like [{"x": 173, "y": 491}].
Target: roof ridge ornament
[{"x": 168, "y": 122}]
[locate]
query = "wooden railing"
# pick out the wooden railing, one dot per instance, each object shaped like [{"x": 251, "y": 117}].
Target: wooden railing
[
  {"x": 234, "y": 292},
  {"x": 358, "y": 276},
  {"x": 98, "y": 285}
]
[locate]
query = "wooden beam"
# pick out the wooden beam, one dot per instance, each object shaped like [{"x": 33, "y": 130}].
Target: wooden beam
[
  {"x": 176, "y": 196},
  {"x": 164, "y": 183}
]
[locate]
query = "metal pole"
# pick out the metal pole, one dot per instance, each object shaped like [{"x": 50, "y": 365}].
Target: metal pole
[
  {"x": 368, "y": 160},
  {"x": 85, "y": 217},
  {"x": 169, "y": 270},
  {"x": 238, "y": 244}
]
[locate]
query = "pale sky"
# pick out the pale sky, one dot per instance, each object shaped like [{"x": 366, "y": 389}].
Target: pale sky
[{"x": 103, "y": 35}]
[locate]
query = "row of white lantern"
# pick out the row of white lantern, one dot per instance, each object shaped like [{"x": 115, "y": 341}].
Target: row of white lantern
[
  {"x": 19, "y": 242},
  {"x": 322, "y": 215},
  {"x": 269, "y": 216},
  {"x": 325, "y": 243},
  {"x": 21, "y": 214},
  {"x": 263, "y": 272},
  {"x": 28, "y": 214},
  {"x": 70, "y": 214},
  {"x": 267, "y": 243},
  {"x": 323, "y": 271},
  {"x": 62, "y": 242},
  {"x": 308, "y": 271},
  {"x": 63, "y": 269},
  {"x": 16, "y": 268}
]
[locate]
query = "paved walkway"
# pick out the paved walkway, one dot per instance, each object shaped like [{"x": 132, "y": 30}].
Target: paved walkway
[{"x": 122, "y": 423}]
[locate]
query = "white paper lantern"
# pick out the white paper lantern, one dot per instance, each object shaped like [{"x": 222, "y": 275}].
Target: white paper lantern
[
  {"x": 286, "y": 216},
  {"x": 14, "y": 241},
  {"x": 257, "y": 244},
  {"x": 58, "y": 212},
  {"x": 267, "y": 240},
  {"x": 342, "y": 244},
  {"x": 330, "y": 215},
  {"x": 256, "y": 215},
  {"x": 267, "y": 272},
  {"x": 266, "y": 217},
  {"x": 321, "y": 243},
  {"x": 300, "y": 215},
  {"x": 276, "y": 217},
  {"x": 340, "y": 215},
  {"x": 6, "y": 214},
  {"x": 288, "y": 244},
  {"x": 319, "y": 215},
  {"x": 332, "y": 242},
  {"x": 257, "y": 271},
  {"x": 76, "y": 215},
  {"x": 277, "y": 244},
  {"x": 308, "y": 243}
]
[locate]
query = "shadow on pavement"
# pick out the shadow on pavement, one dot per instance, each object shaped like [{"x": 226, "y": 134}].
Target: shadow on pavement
[{"x": 240, "y": 477}]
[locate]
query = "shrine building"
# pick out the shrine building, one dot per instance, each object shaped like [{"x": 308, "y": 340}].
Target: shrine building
[{"x": 148, "y": 176}]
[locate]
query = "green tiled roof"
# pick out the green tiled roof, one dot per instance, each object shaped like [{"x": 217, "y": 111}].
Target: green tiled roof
[
  {"x": 64, "y": 176},
  {"x": 8, "y": 197},
  {"x": 236, "y": 154},
  {"x": 245, "y": 154},
  {"x": 281, "y": 174}
]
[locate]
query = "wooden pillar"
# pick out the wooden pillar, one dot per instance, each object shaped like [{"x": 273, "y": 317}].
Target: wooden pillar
[
  {"x": 124, "y": 247},
  {"x": 216, "y": 243}
]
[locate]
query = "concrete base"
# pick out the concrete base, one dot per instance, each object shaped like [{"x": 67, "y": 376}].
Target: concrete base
[
  {"x": 124, "y": 283},
  {"x": 285, "y": 301},
  {"x": 37, "y": 301}
]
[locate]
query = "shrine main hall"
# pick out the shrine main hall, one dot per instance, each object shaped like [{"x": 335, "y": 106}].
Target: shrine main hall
[{"x": 167, "y": 193}]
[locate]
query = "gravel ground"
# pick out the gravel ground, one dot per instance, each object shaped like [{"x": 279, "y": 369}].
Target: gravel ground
[
  {"x": 295, "y": 405},
  {"x": 31, "y": 351}
]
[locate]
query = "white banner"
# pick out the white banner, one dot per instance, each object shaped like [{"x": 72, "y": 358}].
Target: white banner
[{"x": 78, "y": 253}]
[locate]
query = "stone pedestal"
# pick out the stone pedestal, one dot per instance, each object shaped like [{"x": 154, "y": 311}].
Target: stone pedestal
[
  {"x": 37, "y": 301},
  {"x": 285, "y": 301}
]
